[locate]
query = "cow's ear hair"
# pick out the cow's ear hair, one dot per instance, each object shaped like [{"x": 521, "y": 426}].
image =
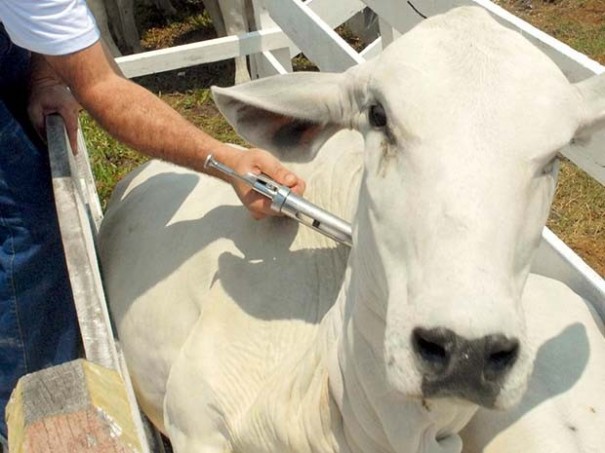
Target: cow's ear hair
[
  {"x": 291, "y": 115},
  {"x": 592, "y": 93}
]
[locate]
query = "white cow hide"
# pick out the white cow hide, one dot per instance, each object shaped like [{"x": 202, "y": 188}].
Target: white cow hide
[{"x": 248, "y": 336}]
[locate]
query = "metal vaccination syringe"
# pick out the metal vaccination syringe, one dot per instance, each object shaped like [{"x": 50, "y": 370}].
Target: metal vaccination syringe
[{"x": 284, "y": 201}]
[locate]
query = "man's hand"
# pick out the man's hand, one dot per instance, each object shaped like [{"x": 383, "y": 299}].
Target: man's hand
[
  {"x": 258, "y": 161},
  {"x": 48, "y": 94}
]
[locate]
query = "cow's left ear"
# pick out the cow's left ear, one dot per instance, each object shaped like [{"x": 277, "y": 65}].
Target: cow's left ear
[
  {"x": 291, "y": 115},
  {"x": 592, "y": 92}
]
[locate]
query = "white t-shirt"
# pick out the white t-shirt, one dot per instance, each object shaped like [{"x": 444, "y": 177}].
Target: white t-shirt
[{"x": 49, "y": 27}]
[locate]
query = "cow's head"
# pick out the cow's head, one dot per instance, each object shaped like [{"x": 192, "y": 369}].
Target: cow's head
[{"x": 463, "y": 120}]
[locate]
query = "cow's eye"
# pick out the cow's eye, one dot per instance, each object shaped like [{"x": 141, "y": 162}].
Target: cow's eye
[{"x": 377, "y": 116}]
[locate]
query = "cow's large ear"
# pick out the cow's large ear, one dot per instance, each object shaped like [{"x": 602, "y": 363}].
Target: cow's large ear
[
  {"x": 291, "y": 115},
  {"x": 592, "y": 91}
]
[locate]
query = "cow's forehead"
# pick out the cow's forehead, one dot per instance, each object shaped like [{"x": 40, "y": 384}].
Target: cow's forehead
[
  {"x": 465, "y": 64},
  {"x": 467, "y": 39}
]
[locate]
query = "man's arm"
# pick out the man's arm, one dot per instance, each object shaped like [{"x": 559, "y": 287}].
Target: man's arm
[{"x": 141, "y": 120}]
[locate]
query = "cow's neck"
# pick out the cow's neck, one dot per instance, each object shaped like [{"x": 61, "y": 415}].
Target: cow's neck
[
  {"x": 372, "y": 417},
  {"x": 295, "y": 411},
  {"x": 322, "y": 399}
]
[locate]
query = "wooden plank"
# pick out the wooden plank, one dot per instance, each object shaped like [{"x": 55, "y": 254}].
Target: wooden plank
[
  {"x": 313, "y": 36},
  {"x": 556, "y": 260},
  {"x": 335, "y": 13},
  {"x": 332, "y": 13},
  {"x": 373, "y": 49},
  {"x": 84, "y": 274},
  {"x": 74, "y": 407},
  {"x": 268, "y": 62},
  {"x": 79, "y": 215},
  {"x": 86, "y": 185},
  {"x": 202, "y": 52},
  {"x": 388, "y": 33},
  {"x": 401, "y": 15}
]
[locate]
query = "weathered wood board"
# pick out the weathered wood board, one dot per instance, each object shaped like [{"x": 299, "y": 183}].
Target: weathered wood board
[{"x": 74, "y": 407}]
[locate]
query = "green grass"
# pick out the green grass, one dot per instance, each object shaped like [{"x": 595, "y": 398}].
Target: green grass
[
  {"x": 586, "y": 38},
  {"x": 109, "y": 159}
]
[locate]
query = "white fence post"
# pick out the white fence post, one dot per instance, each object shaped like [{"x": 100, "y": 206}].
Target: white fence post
[
  {"x": 317, "y": 40},
  {"x": 268, "y": 62},
  {"x": 387, "y": 32}
]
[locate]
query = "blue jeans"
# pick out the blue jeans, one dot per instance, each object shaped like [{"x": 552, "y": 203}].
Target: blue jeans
[{"x": 38, "y": 324}]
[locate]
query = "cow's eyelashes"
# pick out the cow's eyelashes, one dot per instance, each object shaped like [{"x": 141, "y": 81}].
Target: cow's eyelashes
[{"x": 377, "y": 116}]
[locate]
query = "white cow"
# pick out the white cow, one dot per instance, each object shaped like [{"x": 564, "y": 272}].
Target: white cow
[{"x": 246, "y": 336}]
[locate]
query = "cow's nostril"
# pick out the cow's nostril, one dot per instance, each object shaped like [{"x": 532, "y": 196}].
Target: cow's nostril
[
  {"x": 501, "y": 355},
  {"x": 431, "y": 351},
  {"x": 433, "y": 348}
]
